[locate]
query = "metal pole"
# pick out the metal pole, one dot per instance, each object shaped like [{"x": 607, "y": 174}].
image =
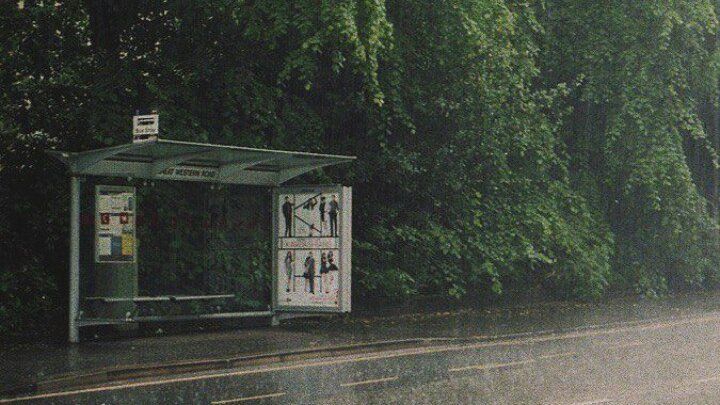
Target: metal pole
[
  {"x": 275, "y": 321},
  {"x": 74, "y": 298}
]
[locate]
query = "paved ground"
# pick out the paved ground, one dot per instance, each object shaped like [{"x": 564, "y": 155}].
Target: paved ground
[{"x": 621, "y": 351}]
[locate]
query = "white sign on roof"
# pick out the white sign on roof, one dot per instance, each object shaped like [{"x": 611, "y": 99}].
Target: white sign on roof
[
  {"x": 145, "y": 127},
  {"x": 189, "y": 173}
]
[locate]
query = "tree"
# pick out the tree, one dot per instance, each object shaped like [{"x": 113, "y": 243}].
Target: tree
[{"x": 644, "y": 69}]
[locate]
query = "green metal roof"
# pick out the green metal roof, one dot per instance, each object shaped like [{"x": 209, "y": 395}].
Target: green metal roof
[{"x": 190, "y": 161}]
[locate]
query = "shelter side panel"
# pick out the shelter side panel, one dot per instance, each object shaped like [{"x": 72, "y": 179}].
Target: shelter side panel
[{"x": 309, "y": 254}]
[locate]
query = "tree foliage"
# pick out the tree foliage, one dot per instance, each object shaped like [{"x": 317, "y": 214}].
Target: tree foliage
[
  {"x": 645, "y": 68},
  {"x": 565, "y": 147}
]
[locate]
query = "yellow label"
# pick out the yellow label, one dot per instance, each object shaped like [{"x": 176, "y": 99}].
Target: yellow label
[{"x": 127, "y": 245}]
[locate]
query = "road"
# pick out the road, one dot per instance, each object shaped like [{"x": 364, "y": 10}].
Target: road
[{"x": 654, "y": 361}]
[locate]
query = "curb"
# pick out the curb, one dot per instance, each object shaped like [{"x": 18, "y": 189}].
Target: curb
[{"x": 84, "y": 380}]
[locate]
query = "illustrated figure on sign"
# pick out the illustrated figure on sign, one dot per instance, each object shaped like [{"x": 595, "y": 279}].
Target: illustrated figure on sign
[
  {"x": 333, "y": 274},
  {"x": 334, "y": 208},
  {"x": 289, "y": 270},
  {"x": 310, "y": 204},
  {"x": 287, "y": 210},
  {"x": 323, "y": 222},
  {"x": 323, "y": 271},
  {"x": 310, "y": 274}
]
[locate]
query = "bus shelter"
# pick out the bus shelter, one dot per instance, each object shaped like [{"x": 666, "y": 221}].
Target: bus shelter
[{"x": 311, "y": 233}]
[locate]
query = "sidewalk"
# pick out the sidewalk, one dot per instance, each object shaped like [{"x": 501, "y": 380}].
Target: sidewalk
[{"x": 26, "y": 365}]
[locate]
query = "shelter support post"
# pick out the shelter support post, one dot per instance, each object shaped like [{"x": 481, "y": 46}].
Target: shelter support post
[{"x": 74, "y": 296}]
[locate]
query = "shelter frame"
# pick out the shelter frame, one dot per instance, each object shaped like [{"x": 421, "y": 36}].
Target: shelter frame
[{"x": 162, "y": 159}]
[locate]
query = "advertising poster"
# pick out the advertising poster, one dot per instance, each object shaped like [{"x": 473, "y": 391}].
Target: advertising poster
[
  {"x": 114, "y": 224},
  {"x": 312, "y": 243}
]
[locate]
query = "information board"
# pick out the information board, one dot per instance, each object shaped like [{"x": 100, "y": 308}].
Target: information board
[
  {"x": 115, "y": 224},
  {"x": 312, "y": 248}
]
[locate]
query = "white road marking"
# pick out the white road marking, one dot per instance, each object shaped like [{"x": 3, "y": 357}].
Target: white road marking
[
  {"x": 491, "y": 366},
  {"x": 708, "y": 380},
  {"x": 243, "y": 399},
  {"x": 623, "y": 345},
  {"x": 366, "y": 382},
  {"x": 673, "y": 385},
  {"x": 556, "y": 355},
  {"x": 399, "y": 353},
  {"x": 638, "y": 395},
  {"x": 593, "y": 401}
]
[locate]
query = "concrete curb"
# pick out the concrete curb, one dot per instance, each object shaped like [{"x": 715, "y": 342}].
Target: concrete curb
[{"x": 83, "y": 380}]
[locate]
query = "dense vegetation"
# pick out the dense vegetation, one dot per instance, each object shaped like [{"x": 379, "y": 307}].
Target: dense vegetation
[{"x": 567, "y": 147}]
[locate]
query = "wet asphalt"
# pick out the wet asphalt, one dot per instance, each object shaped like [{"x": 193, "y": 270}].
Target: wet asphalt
[{"x": 624, "y": 352}]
